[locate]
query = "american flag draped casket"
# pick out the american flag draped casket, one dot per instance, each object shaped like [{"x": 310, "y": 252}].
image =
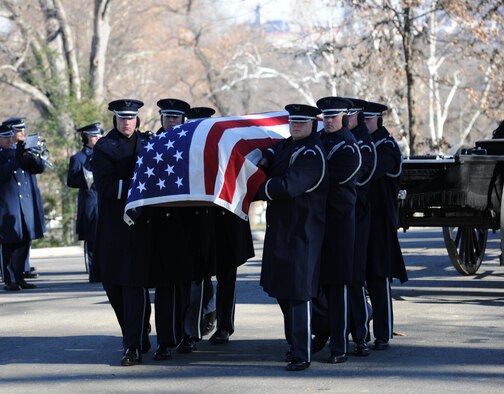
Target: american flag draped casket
[{"x": 207, "y": 161}]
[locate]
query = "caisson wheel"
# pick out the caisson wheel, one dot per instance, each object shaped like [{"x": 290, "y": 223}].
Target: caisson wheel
[{"x": 466, "y": 247}]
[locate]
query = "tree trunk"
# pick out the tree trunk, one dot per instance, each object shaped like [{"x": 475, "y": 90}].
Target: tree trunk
[
  {"x": 58, "y": 66},
  {"x": 69, "y": 51},
  {"x": 408, "y": 66},
  {"x": 97, "y": 59}
]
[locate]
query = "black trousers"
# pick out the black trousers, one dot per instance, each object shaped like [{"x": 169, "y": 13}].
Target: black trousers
[
  {"x": 226, "y": 298},
  {"x": 320, "y": 315},
  {"x": 88, "y": 254},
  {"x": 381, "y": 300},
  {"x": 168, "y": 307},
  {"x": 132, "y": 309},
  {"x": 359, "y": 314},
  {"x": 27, "y": 266},
  {"x": 14, "y": 256},
  {"x": 297, "y": 326},
  {"x": 192, "y": 308},
  {"x": 208, "y": 296},
  {"x": 337, "y": 297}
]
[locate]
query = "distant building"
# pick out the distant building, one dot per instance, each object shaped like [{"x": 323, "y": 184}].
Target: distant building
[{"x": 270, "y": 26}]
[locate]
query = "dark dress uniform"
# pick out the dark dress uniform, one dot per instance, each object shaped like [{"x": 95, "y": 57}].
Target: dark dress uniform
[
  {"x": 359, "y": 315},
  {"x": 234, "y": 246},
  {"x": 21, "y": 212},
  {"x": 184, "y": 254},
  {"x": 343, "y": 159},
  {"x": 201, "y": 255},
  {"x": 87, "y": 202},
  {"x": 384, "y": 257},
  {"x": 296, "y": 193},
  {"x": 122, "y": 254},
  {"x": 171, "y": 244}
]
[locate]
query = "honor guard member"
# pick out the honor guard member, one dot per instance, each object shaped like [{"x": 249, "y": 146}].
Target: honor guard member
[
  {"x": 359, "y": 310},
  {"x": 234, "y": 246},
  {"x": 19, "y": 127},
  {"x": 21, "y": 211},
  {"x": 183, "y": 258},
  {"x": 209, "y": 314},
  {"x": 202, "y": 256},
  {"x": 170, "y": 240},
  {"x": 336, "y": 268},
  {"x": 384, "y": 257},
  {"x": 198, "y": 113},
  {"x": 121, "y": 258},
  {"x": 296, "y": 192},
  {"x": 499, "y": 131},
  {"x": 80, "y": 176}
]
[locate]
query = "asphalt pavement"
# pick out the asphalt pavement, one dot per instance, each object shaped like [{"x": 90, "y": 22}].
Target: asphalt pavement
[{"x": 62, "y": 337}]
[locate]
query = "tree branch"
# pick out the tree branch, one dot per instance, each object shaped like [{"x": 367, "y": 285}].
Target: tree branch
[
  {"x": 31, "y": 90},
  {"x": 69, "y": 48}
]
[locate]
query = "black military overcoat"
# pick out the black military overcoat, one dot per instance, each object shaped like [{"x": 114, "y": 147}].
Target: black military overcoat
[
  {"x": 122, "y": 252},
  {"x": 20, "y": 199},
  {"x": 87, "y": 201},
  {"x": 296, "y": 193},
  {"x": 233, "y": 238},
  {"x": 343, "y": 163},
  {"x": 362, "y": 209},
  {"x": 384, "y": 257}
]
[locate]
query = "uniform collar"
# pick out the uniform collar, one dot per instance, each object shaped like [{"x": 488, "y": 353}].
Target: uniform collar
[
  {"x": 379, "y": 134},
  {"x": 339, "y": 132}
]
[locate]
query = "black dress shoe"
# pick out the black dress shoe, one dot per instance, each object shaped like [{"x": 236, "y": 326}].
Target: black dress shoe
[
  {"x": 131, "y": 356},
  {"x": 337, "y": 358},
  {"x": 187, "y": 345},
  {"x": 30, "y": 275},
  {"x": 288, "y": 356},
  {"x": 219, "y": 337},
  {"x": 12, "y": 287},
  {"x": 318, "y": 343},
  {"x": 162, "y": 352},
  {"x": 208, "y": 323},
  {"x": 381, "y": 344},
  {"x": 25, "y": 285},
  {"x": 297, "y": 365},
  {"x": 361, "y": 349}
]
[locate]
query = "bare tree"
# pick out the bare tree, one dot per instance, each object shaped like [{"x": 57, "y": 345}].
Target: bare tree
[{"x": 39, "y": 59}]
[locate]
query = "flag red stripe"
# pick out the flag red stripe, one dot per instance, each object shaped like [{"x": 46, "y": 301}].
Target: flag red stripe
[
  {"x": 211, "y": 157},
  {"x": 253, "y": 183},
  {"x": 235, "y": 163}
]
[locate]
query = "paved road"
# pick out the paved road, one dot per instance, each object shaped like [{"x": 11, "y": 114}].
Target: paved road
[{"x": 63, "y": 338}]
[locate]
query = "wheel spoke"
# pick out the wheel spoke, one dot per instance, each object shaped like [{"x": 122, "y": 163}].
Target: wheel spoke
[
  {"x": 457, "y": 236},
  {"x": 461, "y": 243},
  {"x": 477, "y": 237},
  {"x": 468, "y": 246},
  {"x": 472, "y": 245}
]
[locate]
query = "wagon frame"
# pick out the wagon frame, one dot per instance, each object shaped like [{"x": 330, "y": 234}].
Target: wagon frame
[{"x": 460, "y": 193}]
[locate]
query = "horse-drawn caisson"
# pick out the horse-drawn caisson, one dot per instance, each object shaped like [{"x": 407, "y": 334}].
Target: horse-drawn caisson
[{"x": 460, "y": 193}]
